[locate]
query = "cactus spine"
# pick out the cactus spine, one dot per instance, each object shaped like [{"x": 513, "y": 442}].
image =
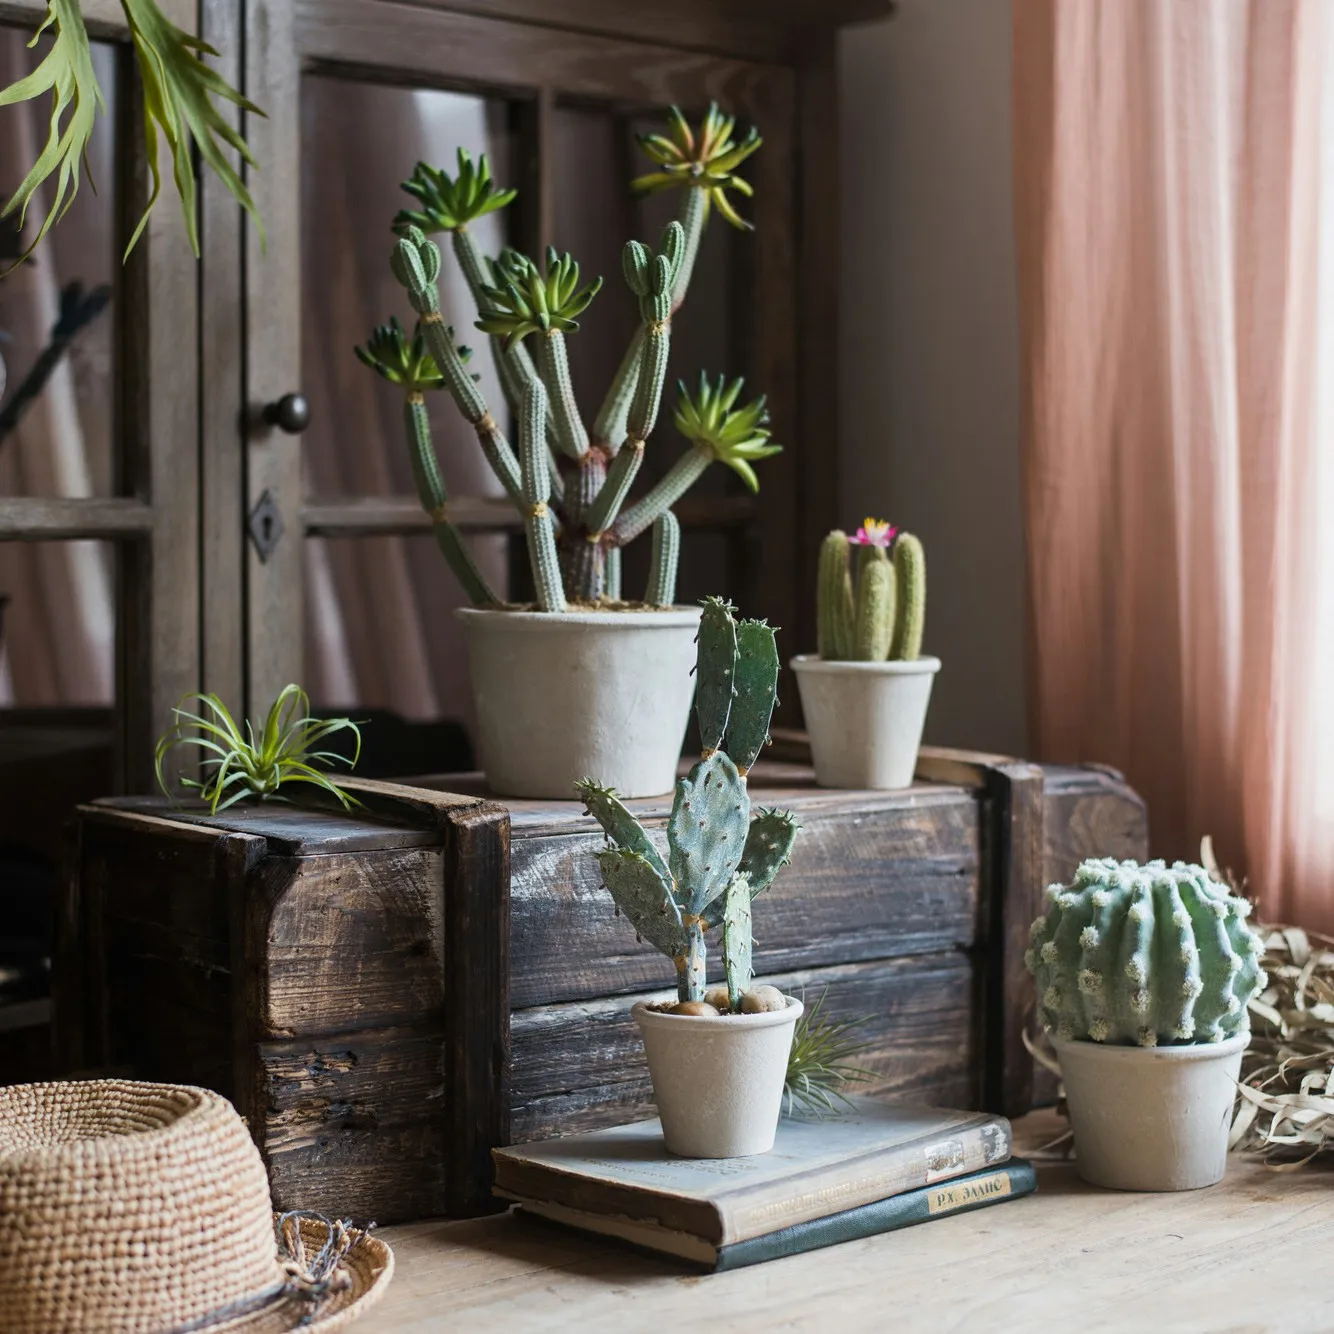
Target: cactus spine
[
  {"x": 718, "y": 857},
  {"x": 588, "y": 521},
  {"x": 882, "y": 615},
  {"x": 1144, "y": 955}
]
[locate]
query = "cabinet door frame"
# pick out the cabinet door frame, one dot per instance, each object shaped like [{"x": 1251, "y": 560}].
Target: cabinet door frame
[{"x": 435, "y": 46}]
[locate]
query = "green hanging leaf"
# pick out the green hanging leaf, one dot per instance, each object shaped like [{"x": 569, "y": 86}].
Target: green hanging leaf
[
  {"x": 178, "y": 92},
  {"x": 66, "y": 72}
]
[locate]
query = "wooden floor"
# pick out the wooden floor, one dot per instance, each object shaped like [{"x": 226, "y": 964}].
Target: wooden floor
[{"x": 1253, "y": 1254}]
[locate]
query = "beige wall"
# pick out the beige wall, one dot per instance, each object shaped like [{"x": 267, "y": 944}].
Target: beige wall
[{"x": 929, "y": 339}]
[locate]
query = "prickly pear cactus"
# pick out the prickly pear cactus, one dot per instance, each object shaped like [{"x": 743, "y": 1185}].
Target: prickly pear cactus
[
  {"x": 1144, "y": 954},
  {"x": 719, "y": 857}
]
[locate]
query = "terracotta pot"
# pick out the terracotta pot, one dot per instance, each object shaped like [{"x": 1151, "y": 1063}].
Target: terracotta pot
[
  {"x": 602, "y": 695},
  {"x": 718, "y": 1082},
  {"x": 1151, "y": 1118},
  {"x": 864, "y": 719}
]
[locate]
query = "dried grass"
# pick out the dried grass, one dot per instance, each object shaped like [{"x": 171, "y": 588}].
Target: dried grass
[{"x": 1286, "y": 1107}]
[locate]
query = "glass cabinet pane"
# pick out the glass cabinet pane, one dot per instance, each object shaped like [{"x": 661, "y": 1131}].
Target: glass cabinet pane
[
  {"x": 379, "y": 631},
  {"x": 57, "y": 426}
]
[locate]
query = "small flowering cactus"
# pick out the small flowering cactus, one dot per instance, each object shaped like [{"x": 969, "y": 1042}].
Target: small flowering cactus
[
  {"x": 881, "y": 616},
  {"x": 1144, "y": 954}
]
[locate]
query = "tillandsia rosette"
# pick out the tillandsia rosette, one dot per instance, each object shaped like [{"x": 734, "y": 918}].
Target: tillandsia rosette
[
  {"x": 179, "y": 89},
  {"x": 570, "y": 476},
  {"x": 720, "y": 857},
  {"x": 871, "y": 595},
  {"x": 256, "y": 763},
  {"x": 1144, "y": 955}
]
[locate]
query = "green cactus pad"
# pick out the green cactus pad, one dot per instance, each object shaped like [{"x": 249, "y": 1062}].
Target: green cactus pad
[
  {"x": 715, "y": 667},
  {"x": 706, "y": 833},
  {"x": 737, "y": 940},
  {"x": 1145, "y": 955},
  {"x": 769, "y": 844},
  {"x": 619, "y": 825},
  {"x": 644, "y": 898},
  {"x": 754, "y": 692},
  {"x": 768, "y": 849}
]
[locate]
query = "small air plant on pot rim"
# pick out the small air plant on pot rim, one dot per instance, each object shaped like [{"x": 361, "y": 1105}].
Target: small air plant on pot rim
[
  {"x": 718, "y": 859},
  {"x": 243, "y": 765}
]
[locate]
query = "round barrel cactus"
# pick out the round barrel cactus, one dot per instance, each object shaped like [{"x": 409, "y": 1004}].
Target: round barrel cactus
[{"x": 1144, "y": 954}]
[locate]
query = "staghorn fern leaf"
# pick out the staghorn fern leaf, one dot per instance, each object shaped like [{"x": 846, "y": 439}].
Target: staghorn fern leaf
[
  {"x": 66, "y": 72},
  {"x": 178, "y": 100},
  {"x": 179, "y": 89}
]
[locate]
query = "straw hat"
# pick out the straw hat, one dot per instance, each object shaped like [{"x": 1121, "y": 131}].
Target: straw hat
[{"x": 131, "y": 1208}]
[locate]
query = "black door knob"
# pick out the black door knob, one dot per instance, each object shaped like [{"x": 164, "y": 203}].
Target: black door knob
[{"x": 291, "y": 413}]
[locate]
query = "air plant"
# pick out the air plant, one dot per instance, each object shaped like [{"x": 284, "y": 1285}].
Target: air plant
[
  {"x": 819, "y": 1065},
  {"x": 179, "y": 89},
  {"x": 240, "y": 765}
]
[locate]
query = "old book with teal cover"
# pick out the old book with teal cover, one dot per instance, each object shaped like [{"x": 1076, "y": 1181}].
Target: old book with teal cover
[
  {"x": 977, "y": 1190},
  {"x": 624, "y": 1177}
]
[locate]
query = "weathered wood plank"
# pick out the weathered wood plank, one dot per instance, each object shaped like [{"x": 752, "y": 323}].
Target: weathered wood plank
[
  {"x": 1091, "y": 812},
  {"x": 292, "y": 831},
  {"x": 581, "y": 1066},
  {"x": 432, "y": 47},
  {"x": 477, "y": 999},
  {"x": 760, "y": 30},
  {"x": 310, "y": 916},
  {"x": 892, "y": 876},
  {"x": 355, "y": 1125},
  {"x": 1015, "y": 825}
]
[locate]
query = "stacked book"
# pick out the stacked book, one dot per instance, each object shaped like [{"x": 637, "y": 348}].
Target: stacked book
[{"x": 871, "y": 1169}]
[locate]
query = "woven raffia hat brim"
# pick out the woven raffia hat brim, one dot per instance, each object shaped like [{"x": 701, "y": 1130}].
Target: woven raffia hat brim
[
  {"x": 135, "y": 1208},
  {"x": 368, "y": 1267}
]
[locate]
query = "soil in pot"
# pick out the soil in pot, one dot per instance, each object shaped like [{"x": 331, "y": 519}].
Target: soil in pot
[{"x": 718, "y": 1079}]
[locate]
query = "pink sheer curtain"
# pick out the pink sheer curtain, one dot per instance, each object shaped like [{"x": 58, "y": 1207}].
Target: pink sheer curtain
[{"x": 1172, "y": 196}]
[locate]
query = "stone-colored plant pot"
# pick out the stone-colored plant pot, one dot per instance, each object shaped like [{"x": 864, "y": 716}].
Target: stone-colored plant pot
[
  {"x": 864, "y": 719},
  {"x": 1151, "y": 1118},
  {"x": 718, "y": 1082},
  {"x": 599, "y": 694}
]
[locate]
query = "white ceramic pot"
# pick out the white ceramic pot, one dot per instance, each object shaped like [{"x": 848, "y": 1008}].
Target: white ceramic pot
[
  {"x": 589, "y": 694},
  {"x": 1151, "y": 1118},
  {"x": 864, "y": 719},
  {"x": 718, "y": 1082}
]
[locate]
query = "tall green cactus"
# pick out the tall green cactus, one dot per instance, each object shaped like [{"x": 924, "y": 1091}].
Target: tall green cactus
[
  {"x": 589, "y": 469},
  {"x": 1143, "y": 955},
  {"x": 718, "y": 857},
  {"x": 881, "y": 616}
]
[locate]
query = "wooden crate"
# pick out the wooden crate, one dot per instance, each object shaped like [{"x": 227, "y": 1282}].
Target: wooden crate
[{"x": 387, "y": 995}]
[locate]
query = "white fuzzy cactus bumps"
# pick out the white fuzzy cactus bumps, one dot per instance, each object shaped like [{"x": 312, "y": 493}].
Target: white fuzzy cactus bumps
[{"x": 1144, "y": 954}]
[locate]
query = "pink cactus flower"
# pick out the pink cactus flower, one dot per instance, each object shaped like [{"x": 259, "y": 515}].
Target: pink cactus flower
[{"x": 875, "y": 533}]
